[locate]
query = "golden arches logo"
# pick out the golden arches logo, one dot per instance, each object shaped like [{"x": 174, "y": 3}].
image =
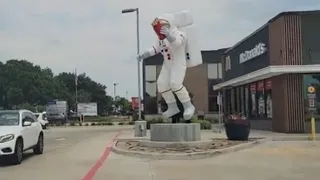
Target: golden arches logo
[{"x": 311, "y": 89}]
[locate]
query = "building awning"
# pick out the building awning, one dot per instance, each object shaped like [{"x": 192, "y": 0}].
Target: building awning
[{"x": 267, "y": 73}]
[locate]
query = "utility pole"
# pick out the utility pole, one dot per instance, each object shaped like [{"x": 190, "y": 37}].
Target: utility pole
[
  {"x": 76, "y": 88},
  {"x": 115, "y": 91}
]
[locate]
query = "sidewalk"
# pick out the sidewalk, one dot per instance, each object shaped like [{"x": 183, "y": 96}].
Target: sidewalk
[{"x": 270, "y": 160}]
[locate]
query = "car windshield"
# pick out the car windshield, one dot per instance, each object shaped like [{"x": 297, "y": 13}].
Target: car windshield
[{"x": 9, "y": 118}]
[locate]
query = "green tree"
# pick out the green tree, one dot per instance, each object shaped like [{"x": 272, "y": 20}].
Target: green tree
[
  {"x": 123, "y": 103},
  {"x": 28, "y": 86},
  {"x": 88, "y": 90}
]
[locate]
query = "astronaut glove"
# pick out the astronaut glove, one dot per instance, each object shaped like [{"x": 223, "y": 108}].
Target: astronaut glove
[
  {"x": 144, "y": 55},
  {"x": 165, "y": 31}
]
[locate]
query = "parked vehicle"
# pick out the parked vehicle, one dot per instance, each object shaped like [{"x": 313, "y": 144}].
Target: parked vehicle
[
  {"x": 19, "y": 132},
  {"x": 42, "y": 118},
  {"x": 57, "y": 111}
]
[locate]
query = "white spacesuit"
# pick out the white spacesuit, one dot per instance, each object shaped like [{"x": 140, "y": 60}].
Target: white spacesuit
[{"x": 173, "y": 45}]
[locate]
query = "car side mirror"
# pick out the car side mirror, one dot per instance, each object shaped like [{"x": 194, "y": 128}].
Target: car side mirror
[{"x": 27, "y": 123}]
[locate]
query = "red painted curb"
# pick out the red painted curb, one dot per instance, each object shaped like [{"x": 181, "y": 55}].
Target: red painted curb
[{"x": 92, "y": 172}]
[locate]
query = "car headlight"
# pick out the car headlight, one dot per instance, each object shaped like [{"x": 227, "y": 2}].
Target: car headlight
[{"x": 6, "y": 138}]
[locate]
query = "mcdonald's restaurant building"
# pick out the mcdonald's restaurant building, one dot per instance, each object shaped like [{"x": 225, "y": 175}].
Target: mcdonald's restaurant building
[{"x": 266, "y": 75}]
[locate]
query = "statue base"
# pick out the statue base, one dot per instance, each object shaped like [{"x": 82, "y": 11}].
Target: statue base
[{"x": 175, "y": 132}]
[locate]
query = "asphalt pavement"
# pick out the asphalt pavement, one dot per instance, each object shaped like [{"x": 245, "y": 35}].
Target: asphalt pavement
[
  {"x": 69, "y": 154},
  {"x": 83, "y": 153}
]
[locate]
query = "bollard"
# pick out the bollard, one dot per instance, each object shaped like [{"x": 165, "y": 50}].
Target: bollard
[
  {"x": 313, "y": 129},
  {"x": 140, "y": 128}
]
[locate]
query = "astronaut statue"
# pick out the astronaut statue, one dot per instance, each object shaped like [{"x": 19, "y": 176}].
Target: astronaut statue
[{"x": 176, "y": 43}]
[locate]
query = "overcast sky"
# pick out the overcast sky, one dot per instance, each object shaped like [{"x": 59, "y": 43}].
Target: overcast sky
[{"x": 94, "y": 37}]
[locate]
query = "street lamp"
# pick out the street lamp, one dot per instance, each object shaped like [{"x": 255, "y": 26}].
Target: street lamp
[
  {"x": 131, "y": 10},
  {"x": 114, "y": 91}
]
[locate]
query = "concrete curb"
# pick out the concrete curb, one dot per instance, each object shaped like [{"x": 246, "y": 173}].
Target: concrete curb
[
  {"x": 184, "y": 156},
  {"x": 292, "y": 138}
]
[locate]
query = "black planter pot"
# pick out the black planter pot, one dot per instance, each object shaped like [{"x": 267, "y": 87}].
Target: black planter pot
[{"x": 237, "y": 131}]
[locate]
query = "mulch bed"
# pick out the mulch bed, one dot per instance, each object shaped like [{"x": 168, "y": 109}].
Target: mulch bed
[{"x": 215, "y": 145}]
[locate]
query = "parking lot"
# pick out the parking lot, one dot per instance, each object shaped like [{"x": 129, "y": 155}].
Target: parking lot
[
  {"x": 70, "y": 153},
  {"x": 82, "y": 153}
]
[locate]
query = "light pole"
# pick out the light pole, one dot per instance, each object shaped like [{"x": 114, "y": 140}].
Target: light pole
[
  {"x": 127, "y": 95},
  {"x": 131, "y": 10},
  {"x": 114, "y": 96},
  {"x": 114, "y": 91},
  {"x": 76, "y": 88}
]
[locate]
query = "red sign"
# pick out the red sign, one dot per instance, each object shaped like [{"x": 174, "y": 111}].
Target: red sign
[
  {"x": 260, "y": 86},
  {"x": 135, "y": 103}
]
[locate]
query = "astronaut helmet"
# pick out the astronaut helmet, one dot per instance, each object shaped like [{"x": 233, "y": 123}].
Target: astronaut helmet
[{"x": 159, "y": 22}]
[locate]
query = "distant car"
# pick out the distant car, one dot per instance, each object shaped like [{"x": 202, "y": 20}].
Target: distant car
[
  {"x": 74, "y": 116},
  {"x": 42, "y": 118},
  {"x": 19, "y": 132},
  {"x": 57, "y": 117}
]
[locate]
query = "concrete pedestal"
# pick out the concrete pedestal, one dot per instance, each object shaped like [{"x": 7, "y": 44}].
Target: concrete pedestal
[
  {"x": 140, "y": 128},
  {"x": 175, "y": 132}
]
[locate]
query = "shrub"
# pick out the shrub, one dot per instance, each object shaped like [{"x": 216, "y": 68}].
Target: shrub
[
  {"x": 93, "y": 124},
  {"x": 120, "y": 123},
  {"x": 86, "y": 124},
  {"x": 109, "y": 123},
  {"x": 131, "y": 123},
  {"x": 80, "y": 124},
  {"x": 72, "y": 124},
  {"x": 204, "y": 124},
  {"x": 212, "y": 120}
]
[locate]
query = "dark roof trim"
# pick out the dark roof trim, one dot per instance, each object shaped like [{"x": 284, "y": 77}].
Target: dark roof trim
[
  {"x": 238, "y": 43},
  {"x": 272, "y": 20}
]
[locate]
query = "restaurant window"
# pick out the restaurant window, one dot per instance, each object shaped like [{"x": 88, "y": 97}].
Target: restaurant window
[
  {"x": 220, "y": 71},
  {"x": 247, "y": 102},
  {"x": 227, "y": 102},
  {"x": 227, "y": 63},
  {"x": 233, "y": 101},
  {"x": 238, "y": 99},
  {"x": 213, "y": 105},
  {"x": 242, "y": 100},
  {"x": 268, "y": 97},
  {"x": 261, "y": 99},
  {"x": 253, "y": 102},
  {"x": 214, "y": 70}
]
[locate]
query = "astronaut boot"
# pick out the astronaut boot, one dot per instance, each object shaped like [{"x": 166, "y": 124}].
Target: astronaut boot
[
  {"x": 171, "y": 111},
  {"x": 188, "y": 111},
  {"x": 183, "y": 96}
]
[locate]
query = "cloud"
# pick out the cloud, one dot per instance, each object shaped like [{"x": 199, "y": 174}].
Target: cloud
[{"x": 94, "y": 37}]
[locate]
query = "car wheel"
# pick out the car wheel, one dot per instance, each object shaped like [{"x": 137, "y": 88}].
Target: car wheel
[
  {"x": 38, "y": 149},
  {"x": 17, "y": 157}
]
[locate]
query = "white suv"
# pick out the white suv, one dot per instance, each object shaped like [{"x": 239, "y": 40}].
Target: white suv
[
  {"x": 42, "y": 118},
  {"x": 19, "y": 131}
]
